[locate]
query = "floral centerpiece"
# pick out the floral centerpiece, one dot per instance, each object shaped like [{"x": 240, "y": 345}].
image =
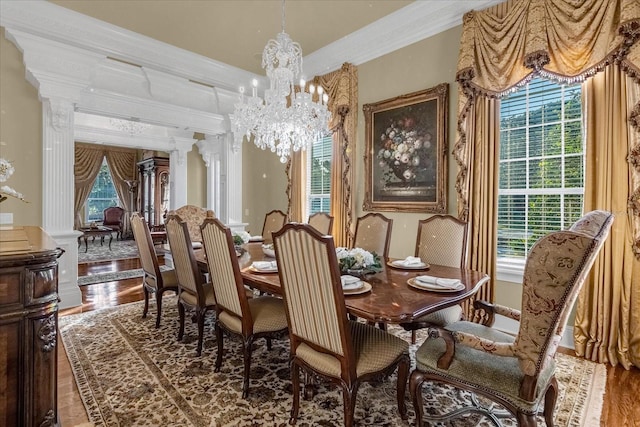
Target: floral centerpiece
[
  {"x": 240, "y": 238},
  {"x": 6, "y": 170},
  {"x": 357, "y": 261},
  {"x": 405, "y": 151}
]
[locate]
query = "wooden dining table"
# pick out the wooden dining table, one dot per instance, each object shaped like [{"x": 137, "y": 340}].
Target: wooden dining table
[{"x": 391, "y": 299}]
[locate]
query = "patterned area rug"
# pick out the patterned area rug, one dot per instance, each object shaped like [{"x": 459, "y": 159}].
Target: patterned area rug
[
  {"x": 120, "y": 249},
  {"x": 130, "y": 373}
]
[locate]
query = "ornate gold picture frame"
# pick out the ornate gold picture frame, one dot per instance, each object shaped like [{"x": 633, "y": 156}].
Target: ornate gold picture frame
[{"x": 406, "y": 152}]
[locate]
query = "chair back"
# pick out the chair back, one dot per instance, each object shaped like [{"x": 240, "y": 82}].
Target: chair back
[
  {"x": 310, "y": 280},
  {"x": 190, "y": 279},
  {"x": 273, "y": 221},
  {"x": 442, "y": 240},
  {"x": 194, "y": 216},
  {"x": 224, "y": 271},
  {"x": 373, "y": 234},
  {"x": 321, "y": 221},
  {"x": 146, "y": 250},
  {"x": 556, "y": 268},
  {"x": 112, "y": 216}
]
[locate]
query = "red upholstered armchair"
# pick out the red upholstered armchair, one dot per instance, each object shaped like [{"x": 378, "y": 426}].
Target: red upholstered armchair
[{"x": 112, "y": 218}]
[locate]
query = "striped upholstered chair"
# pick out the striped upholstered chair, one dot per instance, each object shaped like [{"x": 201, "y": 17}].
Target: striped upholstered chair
[
  {"x": 193, "y": 291},
  {"x": 517, "y": 372},
  {"x": 323, "y": 340},
  {"x": 321, "y": 221},
  {"x": 236, "y": 314},
  {"x": 154, "y": 281},
  {"x": 273, "y": 221},
  {"x": 373, "y": 234},
  {"x": 442, "y": 240}
]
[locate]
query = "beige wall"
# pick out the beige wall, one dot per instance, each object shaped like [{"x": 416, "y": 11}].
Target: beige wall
[
  {"x": 264, "y": 186},
  {"x": 416, "y": 67},
  {"x": 20, "y": 136}
]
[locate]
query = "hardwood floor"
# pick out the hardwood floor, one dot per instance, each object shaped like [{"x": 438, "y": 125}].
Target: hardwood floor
[{"x": 621, "y": 407}]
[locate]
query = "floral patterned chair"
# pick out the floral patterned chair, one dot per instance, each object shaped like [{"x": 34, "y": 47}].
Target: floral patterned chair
[
  {"x": 321, "y": 221},
  {"x": 194, "y": 216},
  {"x": 516, "y": 372}
]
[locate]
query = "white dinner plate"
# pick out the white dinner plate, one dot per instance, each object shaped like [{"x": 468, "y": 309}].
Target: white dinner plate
[
  {"x": 399, "y": 263},
  {"x": 366, "y": 287},
  {"x": 268, "y": 267},
  {"x": 433, "y": 287}
]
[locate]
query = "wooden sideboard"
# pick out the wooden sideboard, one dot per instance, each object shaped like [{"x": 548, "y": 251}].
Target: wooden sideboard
[{"x": 28, "y": 327}]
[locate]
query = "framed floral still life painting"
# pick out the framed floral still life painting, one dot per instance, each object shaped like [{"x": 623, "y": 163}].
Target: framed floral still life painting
[{"x": 406, "y": 152}]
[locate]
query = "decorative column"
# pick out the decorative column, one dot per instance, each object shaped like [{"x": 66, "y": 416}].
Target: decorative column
[
  {"x": 58, "y": 193},
  {"x": 231, "y": 181},
  {"x": 178, "y": 172},
  {"x": 209, "y": 149}
]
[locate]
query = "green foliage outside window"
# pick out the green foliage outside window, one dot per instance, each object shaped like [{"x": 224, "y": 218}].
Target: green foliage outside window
[{"x": 103, "y": 195}]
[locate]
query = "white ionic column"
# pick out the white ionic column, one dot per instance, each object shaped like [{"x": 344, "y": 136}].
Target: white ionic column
[
  {"x": 231, "y": 180},
  {"x": 178, "y": 172},
  {"x": 58, "y": 192},
  {"x": 209, "y": 149}
]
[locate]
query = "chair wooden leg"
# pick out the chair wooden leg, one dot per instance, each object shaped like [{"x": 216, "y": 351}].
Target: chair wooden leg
[
  {"x": 526, "y": 420},
  {"x": 247, "y": 350},
  {"x": 200, "y": 319},
  {"x": 146, "y": 301},
  {"x": 415, "y": 388},
  {"x": 268, "y": 339},
  {"x": 181, "y": 316},
  {"x": 550, "y": 402},
  {"x": 219, "y": 339},
  {"x": 349, "y": 393},
  {"x": 158, "y": 307},
  {"x": 295, "y": 389},
  {"x": 403, "y": 374},
  {"x": 413, "y": 336}
]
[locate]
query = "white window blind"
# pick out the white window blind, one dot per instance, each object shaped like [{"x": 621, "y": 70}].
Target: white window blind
[
  {"x": 541, "y": 176},
  {"x": 319, "y": 176}
]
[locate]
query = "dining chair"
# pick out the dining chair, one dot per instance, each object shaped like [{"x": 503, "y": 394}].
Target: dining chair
[
  {"x": 441, "y": 240},
  {"x": 273, "y": 221},
  {"x": 154, "y": 281},
  {"x": 373, "y": 234},
  {"x": 321, "y": 221},
  {"x": 236, "y": 314},
  {"x": 323, "y": 340},
  {"x": 193, "y": 291},
  {"x": 194, "y": 216},
  {"x": 517, "y": 372}
]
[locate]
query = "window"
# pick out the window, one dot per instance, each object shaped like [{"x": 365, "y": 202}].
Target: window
[
  {"x": 319, "y": 176},
  {"x": 541, "y": 175},
  {"x": 103, "y": 194}
]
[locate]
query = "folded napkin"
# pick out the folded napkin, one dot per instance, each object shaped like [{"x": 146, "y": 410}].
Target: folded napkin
[
  {"x": 439, "y": 282},
  {"x": 265, "y": 265},
  {"x": 411, "y": 260},
  {"x": 350, "y": 282},
  {"x": 196, "y": 245},
  {"x": 255, "y": 239}
]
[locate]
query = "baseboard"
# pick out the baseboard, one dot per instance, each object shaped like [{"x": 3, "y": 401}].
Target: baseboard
[{"x": 510, "y": 327}]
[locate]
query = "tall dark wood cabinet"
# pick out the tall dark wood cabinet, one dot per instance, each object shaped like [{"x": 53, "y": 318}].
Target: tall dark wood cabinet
[
  {"x": 28, "y": 327},
  {"x": 154, "y": 189}
]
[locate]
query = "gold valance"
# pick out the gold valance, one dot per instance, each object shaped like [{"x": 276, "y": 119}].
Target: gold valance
[{"x": 502, "y": 46}]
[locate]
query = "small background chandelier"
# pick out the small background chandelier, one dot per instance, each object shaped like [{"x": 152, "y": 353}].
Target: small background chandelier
[{"x": 287, "y": 119}]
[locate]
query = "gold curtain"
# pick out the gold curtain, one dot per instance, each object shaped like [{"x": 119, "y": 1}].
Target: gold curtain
[
  {"x": 122, "y": 164},
  {"x": 87, "y": 165},
  {"x": 505, "y": 46},
  {"x": 342, "y": 88},
  {"x": 607, "y": 328}
]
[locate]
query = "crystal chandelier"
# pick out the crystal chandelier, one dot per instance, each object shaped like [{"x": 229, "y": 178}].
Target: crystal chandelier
[{"x": 287, "y": 119}]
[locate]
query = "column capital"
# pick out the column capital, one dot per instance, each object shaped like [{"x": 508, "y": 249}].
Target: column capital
[{"x": 181, "y": 147}]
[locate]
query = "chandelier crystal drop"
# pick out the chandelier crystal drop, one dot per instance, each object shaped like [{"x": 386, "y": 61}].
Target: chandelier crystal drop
[{"x": 286, "y": 119}]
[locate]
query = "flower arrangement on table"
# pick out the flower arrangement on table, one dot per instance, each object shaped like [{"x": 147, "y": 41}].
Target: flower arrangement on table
[
  {"x": 358, "y": 261},
  {"x": 6, "y": 170},
  {"x": 240, "y": 238},
  {"x": 405, "y": 151}
]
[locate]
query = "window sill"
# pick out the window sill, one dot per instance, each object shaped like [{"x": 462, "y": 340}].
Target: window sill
[{"x": 510, "y": 270}]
